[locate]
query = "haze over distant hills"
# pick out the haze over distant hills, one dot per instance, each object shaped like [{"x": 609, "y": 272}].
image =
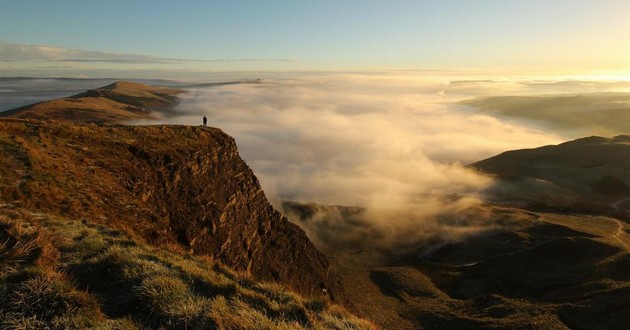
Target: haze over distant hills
[
  {"x": 591, "y": 170},
  {"x": 590, "y": 113}
]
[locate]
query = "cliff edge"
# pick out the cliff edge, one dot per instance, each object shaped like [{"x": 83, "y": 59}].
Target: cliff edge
[{"x": 179, "y": 186}]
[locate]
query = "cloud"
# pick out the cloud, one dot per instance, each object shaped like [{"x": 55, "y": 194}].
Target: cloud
[
  {"x": 10, "y": 52},
  {"x": 389, "y": 144},
  {"x": 22, "y": 52}
]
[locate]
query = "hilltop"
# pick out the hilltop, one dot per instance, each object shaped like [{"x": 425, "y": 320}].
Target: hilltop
[
  {"x": 117, "y": 102},
  {"x": 588, "y": 175}
]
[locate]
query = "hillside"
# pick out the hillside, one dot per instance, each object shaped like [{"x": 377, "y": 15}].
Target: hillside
[
  {"x": 178, "y": 186},
  {"x": 61, "y": 273},
  {"x": 592, "y": 172},
  {"x": 527, "y": 270},
  {"x": 117, "y": 102}
]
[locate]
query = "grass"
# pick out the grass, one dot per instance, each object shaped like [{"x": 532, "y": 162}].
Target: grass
[{"x": 62, "y": 274}]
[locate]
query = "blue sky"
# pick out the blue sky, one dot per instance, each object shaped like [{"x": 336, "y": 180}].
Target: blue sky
[{"x": 577, "y": 35}]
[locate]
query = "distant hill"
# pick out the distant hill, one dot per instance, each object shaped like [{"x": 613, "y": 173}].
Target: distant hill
[
  {"x": 555, "y": 252},
  {"x": 114, "y": 103},
  {"x": 589, "y": 171},
  {"x": 591, "y": 113}
]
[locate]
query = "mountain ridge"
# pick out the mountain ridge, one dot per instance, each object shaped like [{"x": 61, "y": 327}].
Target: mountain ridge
[
  {"x": 589, "y": 174},
  {"x": 115, "y": 103}
]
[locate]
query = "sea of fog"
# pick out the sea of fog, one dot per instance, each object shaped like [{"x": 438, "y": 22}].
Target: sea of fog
[
  {"x": 394, "y": 143},
  {"x": 368, "y": 139}
]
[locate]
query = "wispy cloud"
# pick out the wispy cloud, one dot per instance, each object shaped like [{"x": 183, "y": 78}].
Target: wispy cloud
[{"x": 11, "y": 52}]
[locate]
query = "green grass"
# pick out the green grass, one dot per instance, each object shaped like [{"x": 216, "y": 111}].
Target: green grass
[{"x": 62, "y": 274}]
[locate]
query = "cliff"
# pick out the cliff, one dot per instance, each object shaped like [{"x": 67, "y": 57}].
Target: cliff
[{"x": 179, "y": 186}]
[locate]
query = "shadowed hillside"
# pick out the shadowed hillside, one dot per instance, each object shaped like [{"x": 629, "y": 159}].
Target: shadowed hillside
[
  {"x": 117, "y": 102},
  {"x": 547, "y": 266},
  {"x": 532, "y": 270},
  {"x": 585, "y": 175}
]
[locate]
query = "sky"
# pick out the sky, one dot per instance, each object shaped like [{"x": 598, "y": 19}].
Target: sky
[{"x": 161, "y": 38}]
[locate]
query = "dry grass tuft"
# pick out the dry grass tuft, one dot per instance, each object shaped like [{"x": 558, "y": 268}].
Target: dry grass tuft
[{"x": 18, "y": 244}]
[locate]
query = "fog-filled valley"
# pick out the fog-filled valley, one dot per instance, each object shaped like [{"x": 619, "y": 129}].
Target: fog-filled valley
[{"x": 393, "y": 145}]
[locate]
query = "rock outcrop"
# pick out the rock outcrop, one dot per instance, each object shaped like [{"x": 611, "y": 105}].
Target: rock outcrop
[{"x": 179, "y": 186}]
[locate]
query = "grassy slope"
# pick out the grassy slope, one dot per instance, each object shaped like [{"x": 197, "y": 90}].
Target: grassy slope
[
  {"x": 57, "y": 272},
  {"x": 60, "y": 273}
]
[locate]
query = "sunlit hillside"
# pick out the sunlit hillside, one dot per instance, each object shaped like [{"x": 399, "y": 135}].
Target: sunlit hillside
[{"x": 63, "y": 273}]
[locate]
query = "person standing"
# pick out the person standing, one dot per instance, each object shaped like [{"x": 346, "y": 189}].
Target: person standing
[{"x": 205, "y": 121}]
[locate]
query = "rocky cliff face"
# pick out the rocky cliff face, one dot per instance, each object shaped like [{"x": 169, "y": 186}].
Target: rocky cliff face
[{"x": 174, "y": 185}]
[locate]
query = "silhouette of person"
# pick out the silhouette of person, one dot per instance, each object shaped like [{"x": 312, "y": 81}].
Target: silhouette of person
[{"x": 205, "y": 121}]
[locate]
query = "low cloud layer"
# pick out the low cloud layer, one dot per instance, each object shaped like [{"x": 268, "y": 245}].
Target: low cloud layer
[
  {"x": 355, "y": 140},
  {"x": 393, "y": 145}
]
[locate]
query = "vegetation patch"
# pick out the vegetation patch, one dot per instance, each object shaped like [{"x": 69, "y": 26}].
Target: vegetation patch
[{"x": 63, "y": 274}]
